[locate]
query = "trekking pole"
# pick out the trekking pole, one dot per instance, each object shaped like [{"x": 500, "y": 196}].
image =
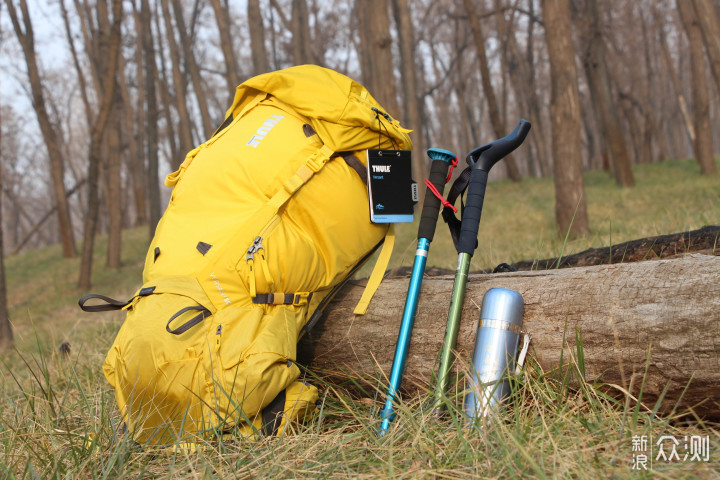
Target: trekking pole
[
  {"x": 441, "y": 160},
  {"x": 480, "y": 161}
]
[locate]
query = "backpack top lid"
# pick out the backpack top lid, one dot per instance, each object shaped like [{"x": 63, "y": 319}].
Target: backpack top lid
[{"x": 335, "y": 105}]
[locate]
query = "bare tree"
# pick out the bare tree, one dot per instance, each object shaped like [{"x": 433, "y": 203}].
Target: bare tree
[
  {"x": 301, "y": 41},
  {"x": 496, "y": 118},
  {"x": 257, "y": 38},
  {"x": 598, "y": 78},
  {"x": 50, "y": 133},
  {"x": 701, "y": 107},
  {"x": 109, "y": 51},
  {"x": 179, "y": 87},
  {"x": 222, "y": 17},
  {"x": 6, "y": 334},
  {"x": 570, "y": 209},
  {"x": 707, "y": 16},
  {"x": 143, "y": 18},
  {"x": 412, "y": 102},
  {"x": 376, "y": 58},
  {"x": 193, "y": 70}
]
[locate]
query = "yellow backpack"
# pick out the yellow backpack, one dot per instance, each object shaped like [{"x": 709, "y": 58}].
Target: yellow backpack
[{"x": 266, "y": 219}]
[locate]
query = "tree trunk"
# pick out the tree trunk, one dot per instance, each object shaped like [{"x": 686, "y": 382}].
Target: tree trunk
[
  {"x": 232, "y": 73},
  {"x": 301, "y": 41},
  {"x": 522, "y": 78},
  {"x": 570, "y": 209},
  {"x": 412, "y": 102},
  {"x": 376, "y": 58},
  {"x": 707, "y": 15},
  {"x": 49, "y": 132},
  {"x": 192, "y": 68},
  {"x": 701, "y": 107},
  {"x": 110, "y": 51},
  {"x": 152, "y": 116},
  {"x": 493, "y": 109},
  {"x": 257, "y": 38},
  {"x": 6, "y": 334},
  {"x": 665, "y": 309},
  {"x": 675, "y": 83},
  {"x": 133, "y": 124},
  {"x": 113, "y": 197},
  {"x": 598, "y": 78},
  {"x": 185, "y": 135}
]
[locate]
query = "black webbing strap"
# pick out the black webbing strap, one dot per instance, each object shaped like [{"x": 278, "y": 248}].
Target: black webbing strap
[
  {"x": 272, "y": 415},
  {"x": 355, "y": 164},
  {"x": 204, "y": 312},
  {"x": 109, "y": 305},
  {"x": 282, "y": 298},
  {"x": 457, "y": 190}
]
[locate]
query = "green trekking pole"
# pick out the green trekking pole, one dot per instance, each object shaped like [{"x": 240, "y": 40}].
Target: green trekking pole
[{"x": 480, "y": 161}]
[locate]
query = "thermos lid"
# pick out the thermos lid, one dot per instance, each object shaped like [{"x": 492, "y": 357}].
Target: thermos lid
[{"x": 503, "y": 304}]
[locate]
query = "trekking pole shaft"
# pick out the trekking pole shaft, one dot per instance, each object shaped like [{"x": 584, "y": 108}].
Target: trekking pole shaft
[
  {"x": 406, "y": 326},
  {"x": 426, "y": 231},
  {"x": 451, "y": 330}
]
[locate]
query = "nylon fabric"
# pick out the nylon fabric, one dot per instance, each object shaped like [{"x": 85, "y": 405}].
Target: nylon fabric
[{"x": 286, "y": 219}]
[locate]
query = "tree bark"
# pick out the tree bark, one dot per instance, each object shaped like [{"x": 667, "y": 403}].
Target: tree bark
[
  {"x": 598, "y": 78},
  {"x": 376, "y": 58},
  {"x": 6, "y": 334},
  {"x": 151, "y": 117},
  {"x": 412, "y": 102},
  {"x": 257, "y": 38},
  {"x": 570, "y": 208},
  {"x": 179, "y": 87},
  {"x": 301, "y": 41},
  {"x": 192, "y": 68},
  {"x": 50, "y": 133},
  {"x": 701, "y": 107},
  {"x": 665, "y": 309},
  {"x": 113, "y": 187},
  {"x": 707, "y": 16},
  {"x": 675, "y": 79},
  {"x": 110, "y": 53},
  {"x": 232, "y": 73},
  {"x": 493, "y": 109}
]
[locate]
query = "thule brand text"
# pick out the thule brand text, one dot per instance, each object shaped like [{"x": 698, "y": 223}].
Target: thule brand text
[
  {"x": 381, "y": 168},
  {"x": 264, "y": 130}
]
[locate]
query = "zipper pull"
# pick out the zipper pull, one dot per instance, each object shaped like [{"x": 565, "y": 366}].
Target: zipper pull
[{"x": 253, "y": 249}]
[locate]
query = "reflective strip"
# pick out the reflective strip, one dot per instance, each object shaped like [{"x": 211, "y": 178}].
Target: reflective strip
[
  {"x": 421, "y": 252},
  {"x": 500, "y": 325}
]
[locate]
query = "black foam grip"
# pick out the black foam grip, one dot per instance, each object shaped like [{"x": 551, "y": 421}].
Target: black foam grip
[
  {"x": 431, "y": 204},
  {"x": 472, "y": 212},
  {"x": 487, "y": 155}
]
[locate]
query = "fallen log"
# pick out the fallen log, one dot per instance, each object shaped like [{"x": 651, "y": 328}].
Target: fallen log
[
  {"x": 706, "y": 239},
  {"x": 669, "y": 308}
]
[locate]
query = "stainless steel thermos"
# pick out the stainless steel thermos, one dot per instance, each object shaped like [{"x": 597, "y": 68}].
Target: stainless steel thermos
[{"x": 495, "y": 353}]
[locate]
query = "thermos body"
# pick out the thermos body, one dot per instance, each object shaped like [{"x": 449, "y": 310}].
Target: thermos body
[{"x": 495, "y": 352}]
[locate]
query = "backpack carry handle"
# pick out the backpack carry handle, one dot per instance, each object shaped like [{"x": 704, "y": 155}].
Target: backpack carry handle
[
  {"x": 441, "y": 160},
  {"x": 481, "y": 160}
]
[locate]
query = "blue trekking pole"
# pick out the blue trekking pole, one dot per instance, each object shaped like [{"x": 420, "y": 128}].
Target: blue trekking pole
[{"x": 441, "y": 161}]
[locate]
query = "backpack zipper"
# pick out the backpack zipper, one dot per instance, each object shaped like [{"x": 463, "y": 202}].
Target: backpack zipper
[{"x": 257, "y": 247}]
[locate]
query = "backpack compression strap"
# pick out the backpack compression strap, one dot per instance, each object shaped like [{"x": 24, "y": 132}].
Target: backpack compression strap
[{"x": 378, "y": 272}]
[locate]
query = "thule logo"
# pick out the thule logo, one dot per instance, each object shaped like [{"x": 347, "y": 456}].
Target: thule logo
[
  {"x": 264, "y": 130},
  {"x": 381, "y": 168}
]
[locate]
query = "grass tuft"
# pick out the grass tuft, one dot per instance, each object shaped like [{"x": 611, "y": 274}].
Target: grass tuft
[{"x": 60, "y": 420}]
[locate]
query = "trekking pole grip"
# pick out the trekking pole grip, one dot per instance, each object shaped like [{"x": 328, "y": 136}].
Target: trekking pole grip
[
  {"x": 431, "y": 203},
  {"x": 473, "y": 209}
]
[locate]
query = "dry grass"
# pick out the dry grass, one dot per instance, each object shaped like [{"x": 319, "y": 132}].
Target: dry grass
[{"x": 59, "y": 418}]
